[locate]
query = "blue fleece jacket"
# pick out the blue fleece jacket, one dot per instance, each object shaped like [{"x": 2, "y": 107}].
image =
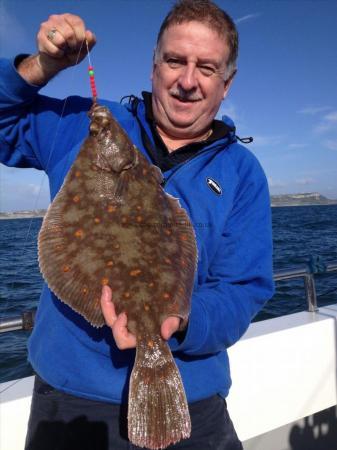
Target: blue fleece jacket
[{"x": 233, "y": 231}]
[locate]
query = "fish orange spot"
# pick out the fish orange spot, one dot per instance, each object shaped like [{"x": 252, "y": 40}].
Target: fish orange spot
[
  {"x": 79, "y": 233},
  {"x": 151, "y": 284},
  {"x": 167, "y": 260},
  {"x": 183, "y": 262},
  {"x": 145, "y": 172},
  {"x": 85, "y": 290},
  {"x": 126, "y": 295},
  {"x": 181, "y": 290},
  {"x": 110, "y": 263},
  {"x": 167, "y": 232},
  {"x": 104, "y": 281},
  {"x": 146, "y": 307},
  {"x": 183, "y": 237},
  {"x": 78, "y": 173},
  {"x": 97, "y": 220},
  {"x": 139, "y": 208},
  {"x": 124, "y": 219},
  {"x": 116, "y": 246},
  {"x": 166, "y": 296},
  {"x": 150, "y": 343},
  {"x": 76, "y": 198},
  {"x": 112, "y": 208},
  {"x": 135, "y": 272},
  {"x": 66, "y": 268},
  {"x": 139, "y": 219}
]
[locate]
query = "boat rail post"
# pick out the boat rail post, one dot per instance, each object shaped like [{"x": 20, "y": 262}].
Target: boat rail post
[
  {"x": 310, "y": 292},
  {"x": 23, "y": 322}
]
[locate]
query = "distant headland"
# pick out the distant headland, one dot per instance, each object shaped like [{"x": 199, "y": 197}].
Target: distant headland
[
  {"x": 309, "y": 199},
  {"x": 305, "y": 199},
  {"x": 23, "y": 214}
]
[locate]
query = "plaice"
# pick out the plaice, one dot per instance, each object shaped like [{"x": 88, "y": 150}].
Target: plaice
[{"x": 112, "y": 224}]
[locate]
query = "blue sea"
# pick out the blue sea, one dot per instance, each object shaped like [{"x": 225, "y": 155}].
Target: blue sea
[{"x": 298, "y": 233}]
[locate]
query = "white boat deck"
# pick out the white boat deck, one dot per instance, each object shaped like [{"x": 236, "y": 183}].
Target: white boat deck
[{"x": 283, "y": 369}]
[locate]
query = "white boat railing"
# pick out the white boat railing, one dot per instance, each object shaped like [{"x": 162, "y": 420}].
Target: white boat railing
[{"x": 26, "y": 320}]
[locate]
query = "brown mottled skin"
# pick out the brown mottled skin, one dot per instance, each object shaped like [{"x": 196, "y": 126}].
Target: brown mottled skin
[{"x": 112, "y": 223}]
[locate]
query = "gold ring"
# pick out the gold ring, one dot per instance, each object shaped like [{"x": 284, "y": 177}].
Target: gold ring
[{"x": 51, "y": 34}]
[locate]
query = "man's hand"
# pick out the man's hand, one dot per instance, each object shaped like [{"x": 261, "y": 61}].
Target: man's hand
[
  {"x": 118, "y": 323},
  {"x": 61, "y": 44}
]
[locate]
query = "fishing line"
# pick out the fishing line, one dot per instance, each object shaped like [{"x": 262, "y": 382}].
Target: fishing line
[{"x": 24, "y": 246}]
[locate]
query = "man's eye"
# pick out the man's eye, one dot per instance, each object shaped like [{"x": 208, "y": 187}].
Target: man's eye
[
  {"x": 174, "y": 63},
  {"x": 207, "y": 70}
]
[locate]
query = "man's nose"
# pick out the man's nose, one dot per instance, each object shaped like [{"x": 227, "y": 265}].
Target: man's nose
[{"x": 188, "y": 77}]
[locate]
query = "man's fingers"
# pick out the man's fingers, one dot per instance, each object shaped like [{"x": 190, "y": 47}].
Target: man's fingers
[
  {"x": 124, "y": 339},
  {"x": 76, "y": 37},
  {"x": 118, "y": 323},
  {"x": 170, "y": 326},
  {"x": 108, "y": 308},
  {"x": 91, "y": 38},
  {"x": 63, "y": 35}
]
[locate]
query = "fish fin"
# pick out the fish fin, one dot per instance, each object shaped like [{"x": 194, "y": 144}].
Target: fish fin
[
  {"x": 157, "y": 173},
  {"x": 158, "y": 412},
  {"x": 62, "y": 274},
  {"x": 121, "y": 186}
]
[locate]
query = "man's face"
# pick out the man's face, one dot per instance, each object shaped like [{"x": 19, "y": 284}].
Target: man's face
[{"x": 188, "y": 79}]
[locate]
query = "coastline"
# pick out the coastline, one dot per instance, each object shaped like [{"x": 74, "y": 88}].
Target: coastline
[{"x": 41, "y": 213}]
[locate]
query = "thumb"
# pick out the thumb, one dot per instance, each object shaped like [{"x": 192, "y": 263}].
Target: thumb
[{"x": 169, "y": 326}]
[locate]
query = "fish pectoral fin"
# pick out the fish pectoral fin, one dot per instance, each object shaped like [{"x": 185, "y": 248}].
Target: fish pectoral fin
[
  {"x": 121, "y": 185},
  {"x": 157, "y": 174}
]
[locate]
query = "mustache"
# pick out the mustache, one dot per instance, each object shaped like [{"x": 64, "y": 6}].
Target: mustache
[{"x": 185, "y": 95}]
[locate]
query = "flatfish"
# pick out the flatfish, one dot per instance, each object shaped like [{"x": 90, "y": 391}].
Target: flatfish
[{"x": 112, "y": 224}]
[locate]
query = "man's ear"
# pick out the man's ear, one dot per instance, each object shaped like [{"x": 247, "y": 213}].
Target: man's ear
[
  {"x": 153, "y": 62},
  {"x": 227, "y": 83}
]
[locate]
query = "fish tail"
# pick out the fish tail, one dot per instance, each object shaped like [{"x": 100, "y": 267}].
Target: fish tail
[{"x": 158, "y": 411}]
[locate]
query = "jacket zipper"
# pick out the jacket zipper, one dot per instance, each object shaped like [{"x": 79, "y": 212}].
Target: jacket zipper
[{"x": 187, "y": 162}]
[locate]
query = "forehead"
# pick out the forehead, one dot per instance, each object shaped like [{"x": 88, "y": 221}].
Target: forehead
[{"x": 195, "y": 40}]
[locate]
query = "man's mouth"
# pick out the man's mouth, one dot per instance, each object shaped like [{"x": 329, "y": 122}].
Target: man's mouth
[{"x": 186, "y": 98}]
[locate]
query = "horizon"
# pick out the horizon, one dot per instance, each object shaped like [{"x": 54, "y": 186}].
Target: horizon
[
  {"x": 271, "y": 197},
  {"x": 280, "y": 95}
]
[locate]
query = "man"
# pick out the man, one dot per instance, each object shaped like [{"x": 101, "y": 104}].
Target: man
[{"x": 83, "y": 372}]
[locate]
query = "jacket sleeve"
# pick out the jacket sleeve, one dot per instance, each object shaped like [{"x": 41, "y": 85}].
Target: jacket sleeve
[
  {"x": 240, "y": 276},
  {"x": 31, "y": 132}
]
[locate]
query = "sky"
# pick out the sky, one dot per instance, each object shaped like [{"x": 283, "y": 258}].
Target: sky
[{"x": 284, "y": 94}]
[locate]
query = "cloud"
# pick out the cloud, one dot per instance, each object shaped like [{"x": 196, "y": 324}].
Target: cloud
[
  {"x": 331, "y": 117},
  {"x": 247, "y": 17},
  {"x": 305, "y": 181},
  {"x": 267, "y": 140},
  {"x": 33, "y": 189},
  {"x": 296, "y": 146},
  {"x": 275, "y": 183},
  {"x": 327, "y": 123},
  {"x": 312, "y": 110},
  {"x": 330, "y": 144}
]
